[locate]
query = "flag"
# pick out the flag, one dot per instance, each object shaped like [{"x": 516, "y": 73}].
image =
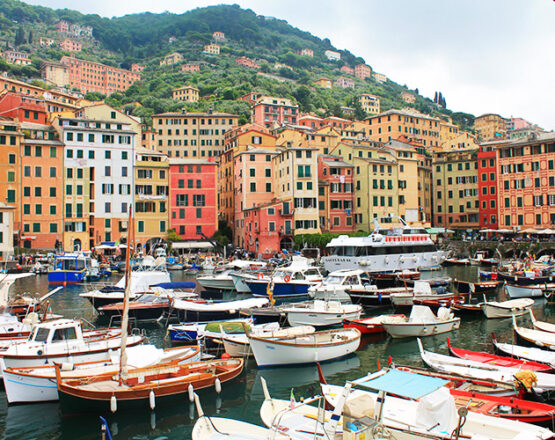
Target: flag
[
  {"x": 292, "y": 402},
  {"x": 270, "y": 294}
]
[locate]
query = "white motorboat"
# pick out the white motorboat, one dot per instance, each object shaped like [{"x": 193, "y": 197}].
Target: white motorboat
[
  {"x": 217, "y": 281},
  {"x": 421, "y": 322},
  {"x": 62, "y": 340},
  {"x": 336, "y": 284},
  {"x": 523, "y": 291},
  {"x": 478, "y": 370},
  {"x": 10, "y": 326},
  {"x": 541, "y": 325},
  {"x": 533, "y": 336},
  {"x": 421, "y": 290},
  {"x": 38, "y": 384},
  {"x": 237, "y": 345},
  {"x": 506, "y": 309},
  {"x": 424, "y": 405},
  {"x": 6, "y": 281},
  {"x": 304, "y": 349},
  {"x": 198, "y": 311},
  {"x": 385, "y": 250},
  {"x": 321, "y": 313},
  {"x": 527, "y": 353}
]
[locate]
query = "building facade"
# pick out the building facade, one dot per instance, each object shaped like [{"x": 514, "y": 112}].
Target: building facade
[
  {"x": 186, "y": 93},
  {"x": 363, "y": 71},
  {"x": 369, "y": 103},
  {"x": 269, "y": 111},
  {"x": 490, "y": 127}
]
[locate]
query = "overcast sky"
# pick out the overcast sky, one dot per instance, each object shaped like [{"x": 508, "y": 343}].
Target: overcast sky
[{"x": 485, "y": 56}]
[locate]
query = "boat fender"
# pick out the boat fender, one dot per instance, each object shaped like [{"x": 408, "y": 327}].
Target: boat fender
[
  {"x": 191, "y": 392},
  {"x": 218, "y": 385},
  {"x": 260, "y": 275},
  {"x": 113, "y": 404},
  {"x": 435, "y": 329},
  {"x": 425, "y": 330},
  {"x": 66, "y": 366},
  {"x": 386, "y": 260},
  {"x": 152, "y": 400}
]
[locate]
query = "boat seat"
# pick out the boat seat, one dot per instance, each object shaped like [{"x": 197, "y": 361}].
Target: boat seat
[
  {"x": 361, "y": 406},
  {"x": 146, "y": 372}
]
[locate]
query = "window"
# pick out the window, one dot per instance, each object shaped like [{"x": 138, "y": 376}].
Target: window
[
  {"x": 141, "y": 226},
  {"x": 36, "y": 227},
  {"x": 199, "y": 212},
  {"x": 52, "y": 191},
  {"x": 38, "y": 209},
  {"x": 253, "y": 186},
  {"x": 53, "y": 228},
  {"x": 162, "y": 226},
  {"x": 26, "y": 209},
  {"x": 52, "y": 171},
  {"x": 107, "y": 207},
  {"x": 27, "y": 171},
  {"x": 52, "y": 209},
  {"x": 107, "y": 171},
  {"x": 268, "y": 187},
  {"x": 38, "y": 191},
  {"x": 11, "y": 158},
  {"x": 38, "y": 171}
]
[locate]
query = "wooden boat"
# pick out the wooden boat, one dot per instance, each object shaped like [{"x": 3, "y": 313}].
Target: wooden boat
[
  {"x": 198, "y": 311},
  {"x": 35, "y": 384},
  {"x": 526, "y": 278},
  {"x": 435, "y": 304},
  {"x": 520, "y": 352},
  {"x": 143, "y": 386},
  {"x": 237, "y": 345},
  {"x": 10, "y": 326},
  {"x": 63, "y": 340},
  {"x": 503, "y": 361},
  {"x": 541, "y": 325},
  {"x": 433, "y": 282},
  {"x": 481, "y": 371},
  {"x": 372, "y": 297},
  {"x": 467, "y": 308},
  {"x": 24, "y": 304},
  {"x": 456, "y": 262},
  {"x": 479, "y": 287},
  {"x": 321, "y": 313},
  {"x": 528, "y": 336},
  {"x": 369, "y": 326},
  {"x": 304, "y": 349},
  {"x": 421, "y": 291},
  {"x": 506, "y": 309},
  {"x": 523, "y": 291},
  {"x": 421, "y": 322}
]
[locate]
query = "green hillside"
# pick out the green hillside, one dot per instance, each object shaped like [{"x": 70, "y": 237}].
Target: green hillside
[{"x": 144, "y": 38}]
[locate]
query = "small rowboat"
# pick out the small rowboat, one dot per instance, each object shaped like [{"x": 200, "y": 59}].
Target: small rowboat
[
  {"x": 479, "y": 287},
  {"x": 321, "y": 313},
  {"x": 304, "y": 349},
  {"x": 542, "y": 325},
  {"x": 528, "y": 336},
  {"x": 523, "y": 291},
  {"x": 506, "y": 309},
  {"x": 143, "y": 386},
  {"x": 435, "y": 304},
  {"x": 369, "y": 326},
  {"x": 520, "y": 352},
  {"x": 422, "y": 322},
  {"x": 502, "y": 361},
  {"x": 467, "y": 308}
]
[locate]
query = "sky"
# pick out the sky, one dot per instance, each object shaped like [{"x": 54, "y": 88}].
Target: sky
[{"x": 485, "y": 56}]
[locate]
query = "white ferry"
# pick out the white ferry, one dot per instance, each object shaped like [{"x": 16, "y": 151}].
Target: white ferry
[{"x": 384, "y": 250}]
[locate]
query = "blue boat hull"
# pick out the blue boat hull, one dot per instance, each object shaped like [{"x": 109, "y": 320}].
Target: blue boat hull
[
  {"x": 66, "y": 277},
  {"x": 281, "y": 290}
]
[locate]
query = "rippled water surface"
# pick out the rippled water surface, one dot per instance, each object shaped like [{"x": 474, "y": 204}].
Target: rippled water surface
[{"x": 242, "y": 398}]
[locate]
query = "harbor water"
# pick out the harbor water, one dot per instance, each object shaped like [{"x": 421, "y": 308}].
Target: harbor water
[{"x": 240, "y": 399}]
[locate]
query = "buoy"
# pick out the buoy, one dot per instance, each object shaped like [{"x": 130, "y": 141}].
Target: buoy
[
  {"x": 113, "y": 404},
  {"x": 191, "y": 391},
  {"x": 152, "y": 400},
  {"x": 218, "y": 385},
  {"x": 226, "y": 355}
]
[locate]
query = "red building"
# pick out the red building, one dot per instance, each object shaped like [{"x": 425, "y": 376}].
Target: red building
[
  {"x": 269, "y": 110},
  {"x": 251, "y": 97},
  {"x": 193, "y": 198},
  {"x": 265, "y": 228},
  {"x": 24, "y": 108},
  {"x": 487, "y": 185},
  {"x": 190, "y": 67},
  {"x": 247, "y": 62},
  {"x": 335, "y": 194}
]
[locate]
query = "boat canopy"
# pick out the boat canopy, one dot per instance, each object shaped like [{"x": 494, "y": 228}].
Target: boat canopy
[{"x": 401, "y": 383}]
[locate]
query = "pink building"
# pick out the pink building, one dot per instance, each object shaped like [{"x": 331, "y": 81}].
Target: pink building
[
  {"x": 247, "y": 62},
  {"x": 218, "y": 36},
  {"x": 363, "y": 71},
  {"x": 267, "y": 230},
  {"x": 344, "y": 83},
  {"x": 254, "y": 185},
  {"x": 269, "y": 110},
  {"x": 335, "y": 194},
  {"x": 193, "y": 198},
  {"x": 69, "y": 45},
  {"x": 190, "y": 67},
  {"x": 348, "y": 70},
  {"x": 310, "y": 121},
  {"x": 251, "y": 97},
  {"x": 307, "y": 53},
  {"x": 138, "y": 68},
  {"x": 62, "y": 26}
]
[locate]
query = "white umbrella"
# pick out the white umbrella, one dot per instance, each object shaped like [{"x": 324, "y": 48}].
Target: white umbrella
[{"x": 547, "y": 231}]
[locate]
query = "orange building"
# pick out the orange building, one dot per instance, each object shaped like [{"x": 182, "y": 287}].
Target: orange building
[
  {"x": 323, "y": 82},
  {"x": 42, "y": 177},
  {"x": 137, "y": 68},
  {"x": 247, "y": 62},
  {"x": 348, "y": 70},
  {"x": 88, "y": 76},
  {"x": 69, "y": 45},
  {"x": 363, "y": 71},
  {"x": 190, "y": 67},
  {"x": 10, "y": 179},
  {"x": 409, "y": 98}
]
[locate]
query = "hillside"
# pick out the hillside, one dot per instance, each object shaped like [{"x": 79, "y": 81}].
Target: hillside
[{"x": 145, "y": 38}]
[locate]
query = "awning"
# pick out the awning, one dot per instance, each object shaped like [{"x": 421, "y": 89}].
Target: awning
[
  {"x": 104, "y": 246},
  {"x": 28, "y": 237},
  {"x": 439, "y": 231},
  {"x": 402, "y": 383},
  {"x": 192, "y": 245},
  {"x": 547, "y": 231},
  {"x": 528, "y": 231}
]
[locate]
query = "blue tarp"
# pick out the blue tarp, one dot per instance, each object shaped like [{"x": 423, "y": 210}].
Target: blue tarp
[
  {"x": 177, "y": 285},
  {"x": 403, "y": 383}
]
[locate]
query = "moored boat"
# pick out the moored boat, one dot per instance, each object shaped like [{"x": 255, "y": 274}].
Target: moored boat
[
  {"x": 521, "y": 352},
  {"x": 335, "y": 285},
  {"x": 369, "y": 326},
  {"x": 506, "y": 309},
  {"x": 523, "y": 291},
  {"x": 198, "y": 311},
  {"x": 321, "y": 313},
  {"x": 422, "y": 322},
  {"x": 478, "y": 287},
  {"x": 528, "y": 336},
  {"x": 541, "y": 325}
]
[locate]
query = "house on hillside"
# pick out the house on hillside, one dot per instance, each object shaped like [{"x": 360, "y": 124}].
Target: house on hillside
[
  {"x": 379, "y": 77},
  {"x": 409, "y": 98},
  {"x": 69, "y": 45},
  {"x": 344, "y": 83},
  {"x": 247, "y": 62},
  {"x": 307, "y": 53},
  {"x": 212, "y": 49},
  {"x": 323, "y": 82},
  {"x": 332, "y": 55},
  {"x": 218, "y": 36},
  {"x": 186, "y": 93},
  {"x": 172, "y": 58}
]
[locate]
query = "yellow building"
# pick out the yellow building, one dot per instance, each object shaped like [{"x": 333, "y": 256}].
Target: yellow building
[
  {"x": 172, "y": 58},
  {"x": 379, "y": 77},
  {"x": 213, "y": 49},
  {"x": 369, "y": 103},
  {"x": 325, "y": 139},
  {"x": 186, "y": 93},
  {"x": 296, "y": 184},
  {"x": 324, "y": 83},
  {"x": 151, "y": 196},
  {"x": 490, "y": 127},
  {"x": 104, "y": 112},
  {"x": 451, "y": 137},
  {"x": 409, "y": 98},
  {"x": 55, "y": 73}
]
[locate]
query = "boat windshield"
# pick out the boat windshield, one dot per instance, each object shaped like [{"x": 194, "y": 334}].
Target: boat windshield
[
  {"x": 70, "y": 264},
  {"x": 333, "y": 280},
  {"x": 149, "y": 298},
  {"x": 41, "y": 335},
  {"x": 312, "y": 272}
]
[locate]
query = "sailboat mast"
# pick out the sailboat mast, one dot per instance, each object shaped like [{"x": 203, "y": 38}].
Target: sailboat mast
[{"x": 125, "y": 317}]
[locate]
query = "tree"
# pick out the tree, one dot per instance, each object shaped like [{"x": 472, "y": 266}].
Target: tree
[
  {"x": 19, "y": 36},
  {"x": 30, "y": 39}
]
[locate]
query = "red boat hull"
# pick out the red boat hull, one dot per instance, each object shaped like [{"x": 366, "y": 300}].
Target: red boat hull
[{"x": 366, "y": 326}]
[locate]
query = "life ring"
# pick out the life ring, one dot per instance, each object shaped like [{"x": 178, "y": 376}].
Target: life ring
[
  {"x": 260, "y": 275},
  {"x": 287, "y": 278},
  {"x": 547, "y": 294}
]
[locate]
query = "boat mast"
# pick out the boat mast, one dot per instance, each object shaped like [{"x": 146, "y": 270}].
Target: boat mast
[{"x": 125, "y": 317}]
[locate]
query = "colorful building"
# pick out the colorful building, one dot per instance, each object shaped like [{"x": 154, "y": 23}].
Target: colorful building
[
  {"x": 192, "y": 135},
  {"x": 23, "y": 108},
  {"x": 138, "y": 68},
  {"x": 348, "y": 70},
  {"x": 409, "y": 98},
  {"x": 55, "y": 73},
  {"x": 369, "y": 103},
  {"x": 363, "y": 71},
  {"x": 10, "y": 166},
  {"x": 325, "y": 83},
  {"x": 269, "y": 111},
  {"x": 212, "y": 49},
  {"x": 218, "y": 36},
  {"x": 247, "y": 62},
  {"x": 69, "y": 45},
  {"x": 191, "y": 67},
  {"x": 186, "y": 93},
  {"x": 490, "y": 127},
  {"x": 487, "y": 184},
  {"x": 455, "y": 191},
  {"x": 307, "y": 52},
  {"x": 379, "y": 77},
  {"x": 268, "y": 229},
  {"x": 451, "y": 137},
  {"x": 42, "y": 183},
  {"x": 151, "y": 198},
  {"x": 172, "y": 58},
  {"x": 526, "y": 183},
  {"x": 332, "y": 55},
  {"x": 344, "y": 83},
  {"x": 335, "y": 195},
  {"x": 6, "y": 231},
  {"x": 193, "y": 198}
]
